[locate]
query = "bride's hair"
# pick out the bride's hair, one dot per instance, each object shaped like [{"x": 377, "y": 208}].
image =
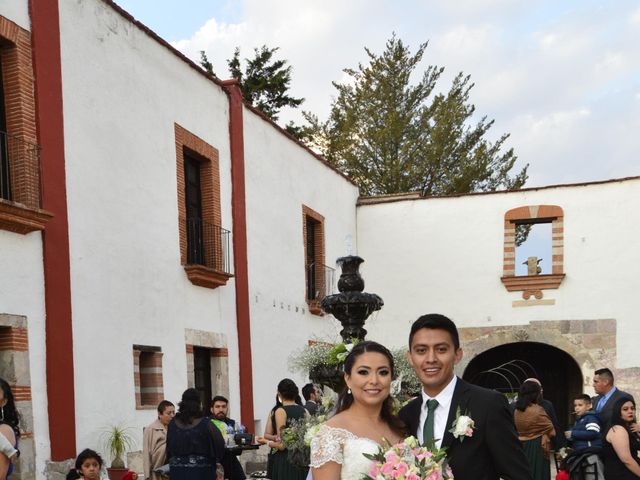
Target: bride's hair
[{"x": 345, "y": 400}]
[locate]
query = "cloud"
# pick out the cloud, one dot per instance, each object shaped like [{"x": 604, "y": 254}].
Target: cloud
[{"x": 561, "y": 77}]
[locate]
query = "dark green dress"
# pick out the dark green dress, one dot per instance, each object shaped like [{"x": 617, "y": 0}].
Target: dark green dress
[
  {"x": 282, "y": 468},
  {"x": 539, "y": 464}
]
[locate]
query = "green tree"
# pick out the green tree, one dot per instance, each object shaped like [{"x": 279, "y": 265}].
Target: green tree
[
  {"x": 392, "y": 136},
  {"x": 264, "y": 81}
]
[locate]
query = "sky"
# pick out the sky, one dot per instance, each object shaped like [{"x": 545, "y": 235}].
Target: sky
[{"x": 561, "y": 77}]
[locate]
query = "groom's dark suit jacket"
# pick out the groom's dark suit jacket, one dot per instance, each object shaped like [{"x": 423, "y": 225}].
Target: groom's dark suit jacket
[
  {"x": 493, "y": 451},
  {"x": 607, "y": 412}
]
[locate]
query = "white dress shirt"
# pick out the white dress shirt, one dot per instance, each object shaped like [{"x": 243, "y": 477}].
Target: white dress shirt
[{"x": 441, "y": 412}]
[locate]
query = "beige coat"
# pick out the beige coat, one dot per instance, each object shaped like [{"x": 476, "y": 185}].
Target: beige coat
[{"x": 154, "y": 446}]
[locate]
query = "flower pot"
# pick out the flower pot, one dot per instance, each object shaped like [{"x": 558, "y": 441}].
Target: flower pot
[{"x": 117, "y": 473}]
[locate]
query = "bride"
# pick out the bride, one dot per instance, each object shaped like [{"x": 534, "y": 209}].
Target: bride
[{"x": 363, "y": 419}]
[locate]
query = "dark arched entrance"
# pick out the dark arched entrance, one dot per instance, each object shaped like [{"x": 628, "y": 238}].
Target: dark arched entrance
[{"x": 505, "y": 367}]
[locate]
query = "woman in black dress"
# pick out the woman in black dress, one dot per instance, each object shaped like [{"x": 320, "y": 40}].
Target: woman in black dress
[
  {"x": 194, "y": 445},
  {"x": 621, "y": 445}
]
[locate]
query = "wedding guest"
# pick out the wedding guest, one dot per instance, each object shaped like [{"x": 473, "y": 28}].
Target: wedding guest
[
  {"x": 607, "y": 395},
  {"x": 194, "y": 445},
  {"x": 9, "y": 428},
  {"x": 88, "y": 466},
  {"x": 270, "y": 433},
  {"x": 585, "y": 439},
  {"x": 219, "y": 410},
  {"x": 535, "y": 429},
  {"x": 621, "y": 445},
  {"x": 312, "y": 396},
  {"x": 558, "y": 441},
  {"x": 154, "y": 440},
  {"x": 291, "y": 409}
]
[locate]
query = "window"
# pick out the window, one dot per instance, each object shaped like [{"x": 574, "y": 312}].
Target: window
[
  {"x": 20, "y": 202},
  {"x": 528, "y": 218},
  {"x": 204, "y": 244},
  {"x": 316, "y": 273},
  {"x": 147, "y": 373},
  {"x": 533, "y": 248}
]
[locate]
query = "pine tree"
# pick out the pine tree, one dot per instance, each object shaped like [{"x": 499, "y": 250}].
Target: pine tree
[{"x": 392, "y": 136}]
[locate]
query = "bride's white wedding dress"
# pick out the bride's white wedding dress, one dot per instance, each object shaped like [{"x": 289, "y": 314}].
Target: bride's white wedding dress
[{"x": 341, "y": 446}]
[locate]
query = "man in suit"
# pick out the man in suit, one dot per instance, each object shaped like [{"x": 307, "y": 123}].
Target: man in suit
[
  {"x": 606, "y": 396},
  {"x": 312, "y": 397},
  {"x": 493, "y": 450}
]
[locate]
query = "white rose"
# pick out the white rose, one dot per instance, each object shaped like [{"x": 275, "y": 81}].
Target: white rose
[{"x": 463, "y": 424}]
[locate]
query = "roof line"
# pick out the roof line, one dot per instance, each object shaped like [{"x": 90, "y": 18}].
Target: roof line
[
  {"x": 401, "y": 197},
  {"x": 221, "y": 83}
]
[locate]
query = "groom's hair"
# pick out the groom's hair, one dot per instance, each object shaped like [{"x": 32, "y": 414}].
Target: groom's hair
[{"x": 435, "y": 321}]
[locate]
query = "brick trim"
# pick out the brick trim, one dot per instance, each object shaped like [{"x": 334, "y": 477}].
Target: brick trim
[
  {"x": 319, "y": 257},
  {"x": 147, "y": 377},
  {"x": 219, "y": 352},
  {"x": 534, "y": 284},
  {"x": 21, "y": 393},
  {"x": 21, "y": 214},
  {"x": 14, "y": 339},
  {"x": 204, "y": 276}
]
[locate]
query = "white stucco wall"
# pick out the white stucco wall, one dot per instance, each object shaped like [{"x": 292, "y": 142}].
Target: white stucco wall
[
  {"x": 17, "y": 11},
  {"x": 281, "y": 177},
  {"x": 22, "y": 293},
  {"x": 122, "y": 93},
  {"x": 445, "y": 255}
]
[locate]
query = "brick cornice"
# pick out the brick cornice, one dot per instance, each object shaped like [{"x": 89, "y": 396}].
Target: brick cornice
[
  {"x": 18, "y": 218},
  {"x": 206, "y": 277}
]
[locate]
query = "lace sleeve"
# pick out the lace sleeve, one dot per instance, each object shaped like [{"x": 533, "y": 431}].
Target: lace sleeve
[{"x": 327, "y": 446}]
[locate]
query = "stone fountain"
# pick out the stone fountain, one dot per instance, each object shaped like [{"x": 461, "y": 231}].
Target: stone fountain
[{"x": 352, "y": 306}]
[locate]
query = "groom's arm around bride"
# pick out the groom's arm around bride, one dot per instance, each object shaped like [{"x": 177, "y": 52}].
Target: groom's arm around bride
[{"x": 493, "y": 450}]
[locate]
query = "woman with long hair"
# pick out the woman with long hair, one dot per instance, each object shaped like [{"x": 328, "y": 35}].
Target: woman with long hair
[
  {"x": 621, "y": 445},
  {"x": 534, "y": 429},
  {"x": 194, "y": 445},
  {"x": 363, "y": 419},
  {"x": 282, "y": 416},
  {"x": 9, "y": 426},
  {"x": 270, "y": 433}
]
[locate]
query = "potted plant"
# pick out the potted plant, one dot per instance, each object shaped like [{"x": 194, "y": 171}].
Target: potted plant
[{"x": 117, "y": 440}]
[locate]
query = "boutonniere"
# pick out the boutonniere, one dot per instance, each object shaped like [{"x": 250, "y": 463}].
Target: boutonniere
[{"x": 462, "y": 426}]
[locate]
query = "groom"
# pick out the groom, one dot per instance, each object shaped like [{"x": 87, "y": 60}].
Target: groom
[{"x": 493, "y": 450}]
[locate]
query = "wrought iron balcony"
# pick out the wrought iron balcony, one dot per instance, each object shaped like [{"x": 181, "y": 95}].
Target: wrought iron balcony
[
  {"x": 208, "y": 245},
  {"x": 20, "y": 171},
  {"x": 320, "y": 282}
]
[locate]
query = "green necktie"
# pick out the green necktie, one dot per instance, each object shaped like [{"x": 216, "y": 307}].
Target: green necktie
[{"x": 428, "y": 439}]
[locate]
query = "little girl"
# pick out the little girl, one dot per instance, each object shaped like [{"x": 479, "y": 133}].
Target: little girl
[{"x": 88, "y": 466}]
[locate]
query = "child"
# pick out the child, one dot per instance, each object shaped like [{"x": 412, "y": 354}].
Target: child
[
  {"x": 585, "y": 437},
  {"x": 586, "y": 431},
  {"x": 88, "y": 466}
]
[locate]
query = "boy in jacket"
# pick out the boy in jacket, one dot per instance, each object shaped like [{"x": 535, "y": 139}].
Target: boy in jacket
[{"x": 586, "y": 431}]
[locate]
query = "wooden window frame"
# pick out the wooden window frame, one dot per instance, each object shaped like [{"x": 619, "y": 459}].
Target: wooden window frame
[{"x": 319, "y": 257}]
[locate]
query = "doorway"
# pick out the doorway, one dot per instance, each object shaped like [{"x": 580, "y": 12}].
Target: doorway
[{"x": 505, "y": 367}]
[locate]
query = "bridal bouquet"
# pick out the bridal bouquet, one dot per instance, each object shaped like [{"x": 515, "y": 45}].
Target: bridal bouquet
[{"x": 408, "y": 460}]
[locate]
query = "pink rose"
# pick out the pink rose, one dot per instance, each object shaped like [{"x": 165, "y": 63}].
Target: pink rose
[
  {"x": 401, "y": 469},
  {"x": 412, "y": 476},
  {"x": 469, "y": 432},
  {"x": 391, "y": 457},
  {"x": 374, "y": 470},
  {"x": 387, "y": 468}
]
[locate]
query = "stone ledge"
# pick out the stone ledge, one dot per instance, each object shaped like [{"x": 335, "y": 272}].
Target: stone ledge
[{"x": 532, "y": 285}]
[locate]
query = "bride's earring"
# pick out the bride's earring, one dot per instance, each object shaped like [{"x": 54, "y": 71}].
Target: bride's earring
[
  {"x": 348, "y": 391},
  {"x": 1, "y": 413}
]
